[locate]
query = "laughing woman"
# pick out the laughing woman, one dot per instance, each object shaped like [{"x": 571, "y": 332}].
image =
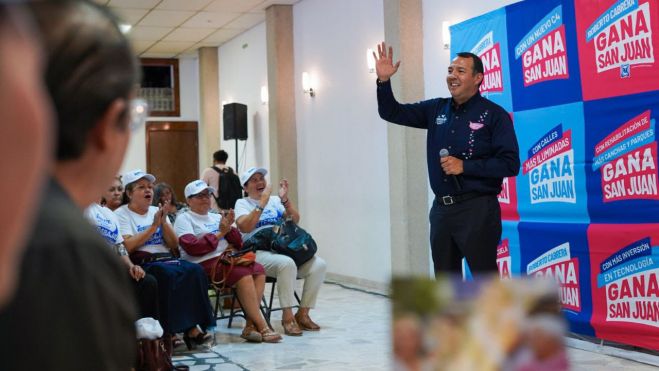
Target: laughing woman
[
  {"x": 203, "y": 237},
  {"x": 182, "y": 286}
]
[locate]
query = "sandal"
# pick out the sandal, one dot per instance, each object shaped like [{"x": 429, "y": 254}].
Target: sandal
[
  {"x": 306, "y": 323},
  {"x": 291, "y": 328},
  {"x": 270, "y": 336},
  {"x": 251, "y": 335}
]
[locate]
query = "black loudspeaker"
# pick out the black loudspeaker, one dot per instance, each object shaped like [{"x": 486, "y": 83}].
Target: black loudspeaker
[{"x": 235, "y": 121}]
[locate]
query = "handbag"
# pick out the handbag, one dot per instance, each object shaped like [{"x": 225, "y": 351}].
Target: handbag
[
  {"x": 152, "y": 356},
  {"x": 293, "y": 241},
  {"x": 261, "y": 240},
  {"x": 228, "y": 259}
]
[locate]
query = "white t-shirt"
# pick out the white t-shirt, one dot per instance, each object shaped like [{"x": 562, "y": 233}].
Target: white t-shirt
[
  {"x": 273, "y": 213},
  {"x": 198, "y": 225},
  {"x": 132, "y": 223},
  {"x": 105, "y": 221}
]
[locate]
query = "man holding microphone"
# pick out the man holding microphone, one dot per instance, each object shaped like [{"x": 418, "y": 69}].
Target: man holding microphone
[{"x": 471, "y": 147}]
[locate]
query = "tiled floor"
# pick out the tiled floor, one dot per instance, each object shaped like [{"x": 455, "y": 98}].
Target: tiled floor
[{"x": 355, "y": 336}]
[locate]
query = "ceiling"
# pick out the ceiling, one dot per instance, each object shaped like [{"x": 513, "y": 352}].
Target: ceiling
[{"x": 175, "y": 28}]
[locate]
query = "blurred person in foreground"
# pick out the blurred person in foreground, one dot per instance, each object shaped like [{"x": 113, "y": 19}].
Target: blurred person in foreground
[
  {"x": 74, "y": 307},
  {"x": 25, "y": 115}
]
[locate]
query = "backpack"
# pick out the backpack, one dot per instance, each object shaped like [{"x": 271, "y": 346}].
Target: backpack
[{"x": 229, "y": 190}]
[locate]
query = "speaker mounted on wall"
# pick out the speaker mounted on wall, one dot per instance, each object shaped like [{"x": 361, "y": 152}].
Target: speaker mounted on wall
[{"x": 235, "y": 121}]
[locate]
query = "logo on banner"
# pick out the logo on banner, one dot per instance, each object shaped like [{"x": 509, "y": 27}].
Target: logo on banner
[
  {"x": 551, "y": 168},
  {"x": 503, "y": 258},
  {"x": 622, "y": 36},
  {"x": 490, "y": 54},
  {"x": 543, "y": 50},
  {"x": 504, "y": 195},
  {"x": 627, "y": 160},
  {"x": 629, "y": 278},
  {"x": 557, "y": 264}
]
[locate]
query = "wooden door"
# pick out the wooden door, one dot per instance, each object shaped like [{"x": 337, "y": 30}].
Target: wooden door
[{"x": 172, "y": 153}]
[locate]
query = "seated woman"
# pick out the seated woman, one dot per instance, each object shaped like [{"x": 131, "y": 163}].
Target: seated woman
[
  {"x": 163, "y": 194},
  {"x": 260, "y": 210},
  {"x": 203, "y": 236},
  {"x": 145, "y": 285},
  {"x": 112, "y": 197},
  {"x": 148, "y": 235}
]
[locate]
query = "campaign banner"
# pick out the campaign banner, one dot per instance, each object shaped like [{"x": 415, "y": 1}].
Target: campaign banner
[
  {"x": 560, "y": 252},
  {"x": 625, "y": 283},
  {"x": 503, "y": 259},
  {"x": 560, "y": 266},
  {"x": 508, "y": 258},
  {"x": 552, "y": 181},
  {"x": 623, "y": 169},
  {"x": 508, "y": 196},
  {"x": 618, "y": 41},
  {"x": 543, "y": 54},
  {"x": 508, "y": 199},
  {"x": 486, "y": 37}
]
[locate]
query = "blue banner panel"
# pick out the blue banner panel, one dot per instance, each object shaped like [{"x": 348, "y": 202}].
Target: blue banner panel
[
  {"x": 508, "y": 257},
  {"x": 621, "y": 151},
  {"x": 552, "y": 183},
  {"x": 560, "y": 251},
  {"x": 486, "y": 37},
  {"x": 544, "y": 64}
]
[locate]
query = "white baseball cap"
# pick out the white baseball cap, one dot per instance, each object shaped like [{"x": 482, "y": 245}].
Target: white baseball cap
[
  {"x": 196, "y": 187},
  {"x": 135, "y": 175},
  {"x": 244, "y": 177}
]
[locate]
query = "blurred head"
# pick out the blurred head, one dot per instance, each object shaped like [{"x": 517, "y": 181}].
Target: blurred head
[
  {"x": 545, "y": 335},
  {"x": 91, "y": 74},
  {"x": 163, "y": 194},
  {"x": 220, "y": 157},
  {"x": 112, "y": 196},
  {"x": 198, "y": 195},
  {"x": 407, "y": 338},
  {"x": 465, "y": 75},
  {"x": 253, "y": 181},
  {"x": 25, "y": 132}
]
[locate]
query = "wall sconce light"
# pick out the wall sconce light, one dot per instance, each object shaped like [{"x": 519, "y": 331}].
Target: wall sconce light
[
  {"x": 370, "y": 61},
  {"x": 307, "y": 84},
  {"x": 446, "y": 34},
  {"x": 264, "y": 95},
  {"x": 125, "y": 28}
]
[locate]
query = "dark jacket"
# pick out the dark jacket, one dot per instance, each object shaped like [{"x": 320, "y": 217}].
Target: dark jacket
[{"x": 74, "y": 307}]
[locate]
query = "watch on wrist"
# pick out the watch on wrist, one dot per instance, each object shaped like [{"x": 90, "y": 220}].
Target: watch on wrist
[{"x": 259, "y": 208}]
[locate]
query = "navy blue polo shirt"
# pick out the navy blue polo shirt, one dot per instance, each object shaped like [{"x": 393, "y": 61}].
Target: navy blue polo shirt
[{"x": 479, "y": 132}]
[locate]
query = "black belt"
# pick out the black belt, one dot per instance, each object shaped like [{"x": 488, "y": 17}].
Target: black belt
[{"x": 452, "y": 200}]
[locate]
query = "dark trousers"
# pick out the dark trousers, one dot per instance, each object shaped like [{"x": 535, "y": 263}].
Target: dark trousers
[
  {"x": 146, "y": 292},
  {"x": 470, "y": 229}
]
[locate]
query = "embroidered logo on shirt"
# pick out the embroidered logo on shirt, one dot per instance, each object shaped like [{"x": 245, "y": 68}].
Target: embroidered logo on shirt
[
  {"x": 475, "y": 125},
  {"x": 441, "y": 119}
]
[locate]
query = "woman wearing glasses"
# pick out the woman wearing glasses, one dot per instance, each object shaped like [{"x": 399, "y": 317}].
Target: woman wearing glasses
[
  {"x": 203, "y": 237},
  {"x": 151, "y": 242}
]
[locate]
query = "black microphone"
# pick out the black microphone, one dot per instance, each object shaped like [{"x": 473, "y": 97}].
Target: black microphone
[{"x": 444, "y": 153}]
